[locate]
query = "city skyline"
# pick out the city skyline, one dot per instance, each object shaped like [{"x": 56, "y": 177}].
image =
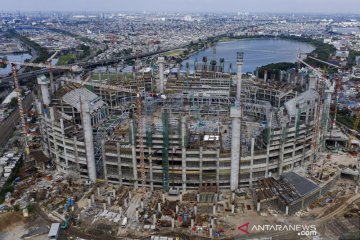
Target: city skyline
[{"x": 272, "y": 6}]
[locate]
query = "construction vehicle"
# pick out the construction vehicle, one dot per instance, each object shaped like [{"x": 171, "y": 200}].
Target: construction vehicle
[{"x": 67, "y": 222}]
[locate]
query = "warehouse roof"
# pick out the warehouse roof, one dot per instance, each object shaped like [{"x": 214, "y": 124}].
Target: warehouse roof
[
  {"x": 302, "y": 185},
  {"x": 73, "y": 98}
]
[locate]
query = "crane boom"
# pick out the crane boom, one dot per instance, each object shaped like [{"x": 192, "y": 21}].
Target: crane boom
[
  {"x": 317, "y": 123},
  {"x": 73, "y": 68},
  {"x": 322, "y": 61},
  {"x": 52, "y": 56},
  {"x": 100, "y": 85}
]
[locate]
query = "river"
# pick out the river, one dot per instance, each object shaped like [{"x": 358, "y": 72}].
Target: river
[
  {"x": 13, "y": 58},
  {"x": 257, "y": 52},
  {"x": 17, "y": 58}
]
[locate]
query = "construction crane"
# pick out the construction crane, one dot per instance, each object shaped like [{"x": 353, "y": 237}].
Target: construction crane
[
  {"x": 18, "y": 90},
  {"x": 320, "y": 90},
  {"x": 337, "y": 88},
  {"x": 21, "y": 109},
  {"x": 140, "y": 122},
  {"x": 48, "y": 61}
]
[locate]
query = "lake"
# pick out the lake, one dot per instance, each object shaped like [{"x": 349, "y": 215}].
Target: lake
[
  {"x": 13, "y": 58},
  {"x": 257, "y": 52}
]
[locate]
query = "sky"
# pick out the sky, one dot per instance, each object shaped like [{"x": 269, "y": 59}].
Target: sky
[{"x": 271, "y": 6}]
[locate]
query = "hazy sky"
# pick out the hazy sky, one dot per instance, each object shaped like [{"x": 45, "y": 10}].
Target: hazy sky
[{"x": 289, "y": 6}]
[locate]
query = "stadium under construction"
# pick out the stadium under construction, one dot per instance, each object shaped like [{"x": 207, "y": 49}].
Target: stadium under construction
[{"x": 162, "y": 128}]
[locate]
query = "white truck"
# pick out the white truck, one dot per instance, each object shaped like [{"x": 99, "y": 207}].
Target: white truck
[
  {"x": 54, "y": 231},
  {"x": 124, "y": 222}
]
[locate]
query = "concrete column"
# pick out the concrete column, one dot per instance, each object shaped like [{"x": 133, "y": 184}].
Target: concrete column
[
  {"x": 214, "y": 209},
  {"x": 252, "y": 161},
  {"x": 44, "y": 86},
  {"x": 172, "y": 224},
  {"x": 183, "y": 153},
  {"x": 287, "y": 210},
  {"x": 239, "y": 80},
  {"x": 235, "y": 114},
  {"x": 142, "y": 203},
  {"x": 235, "y": 148},
  {"x": 104, "y": 205},
  {"x": 201, "y": 165},
  {"x": 137, "y": 215},
  {"x": 98, "y": 191},
  {"x": 104, "y": 160},
  {"x": 119, "y": 162},
  {"x": 133, "y": 148},
  {"x": 198, "y": 197},
  {"x": 161, "y": 61},
  {"x": 217, "y": 168},
  {"x": 52, "y": 85},
  {"x": 281, "y": 150},
  {"x": 258, "y": 206},
  {"x": 151, "y": 169},
  {"x": 92, "y": 198},
  {"x": 357, "y": 189},
  {"x": 265, "y": 76},
  {"x": 89, "y": 202},
  {"x": 192, "y": 223},
  {"x": 268, "y": 145},
  {"x": 88, "y": 138},
  {"x": 195, "y": 209},
  {"x": 154, "y": 219},
  {"x": 109, "y": 201},
  {"x": 159, "y": 207},
  {"x": 120, "y": 211}
]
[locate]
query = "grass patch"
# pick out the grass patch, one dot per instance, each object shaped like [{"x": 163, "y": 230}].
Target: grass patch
[
  {"x": 66, "y": 59},
  {"x": 175, "y": 53}
]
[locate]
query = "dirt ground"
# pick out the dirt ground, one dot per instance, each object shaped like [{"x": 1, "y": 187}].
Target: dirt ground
[
  {"x": 13, "y": 226},
  {"x": 10, "y": 219}
]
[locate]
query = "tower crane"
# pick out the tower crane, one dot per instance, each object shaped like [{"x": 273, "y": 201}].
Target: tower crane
[
  {"x": 18, "y": 90},
  {"x": 75, "y": 68},
  {"x": 140, "y": 122},
  {"x": 320, "y": 90},
  {"x": 337, "y": 88}
]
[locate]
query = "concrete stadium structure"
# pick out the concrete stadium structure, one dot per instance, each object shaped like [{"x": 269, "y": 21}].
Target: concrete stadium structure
[{"x": 204, "y": 129}]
